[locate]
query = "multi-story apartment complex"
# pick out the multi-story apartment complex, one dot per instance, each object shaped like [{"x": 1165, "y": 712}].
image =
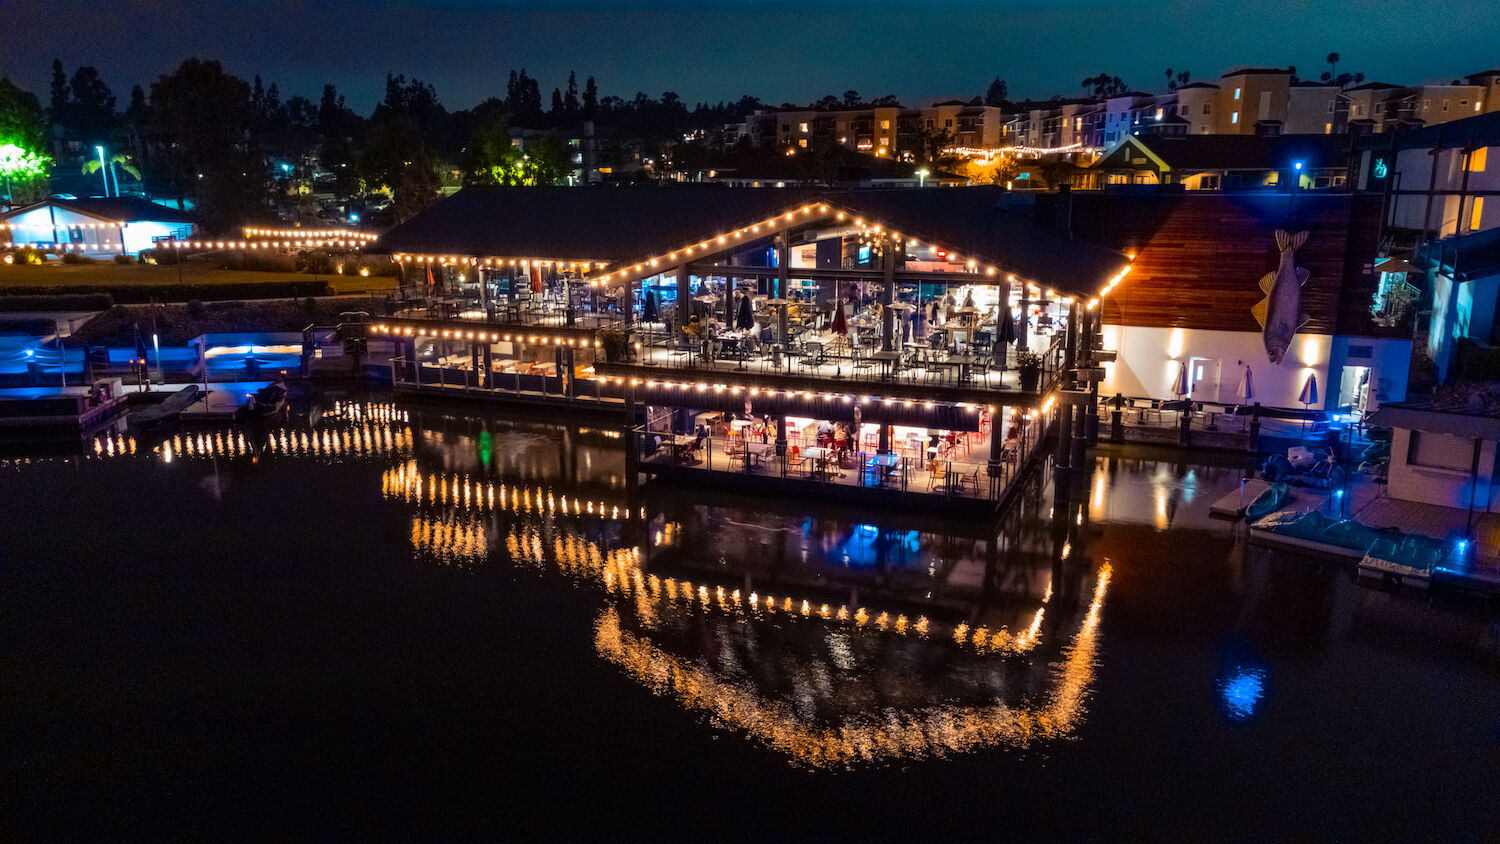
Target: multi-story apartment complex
[{"x": 892, "y": 131}]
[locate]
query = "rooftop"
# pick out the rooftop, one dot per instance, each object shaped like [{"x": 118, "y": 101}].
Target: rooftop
[
  {"x": 115, "y": 209},
  {"x": 1239, "y": 152}
]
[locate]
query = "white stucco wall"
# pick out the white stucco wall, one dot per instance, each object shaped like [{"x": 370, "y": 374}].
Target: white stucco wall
[
  {"x": 1447, "y": 487},
  {"x": 1149, "y": 359}
]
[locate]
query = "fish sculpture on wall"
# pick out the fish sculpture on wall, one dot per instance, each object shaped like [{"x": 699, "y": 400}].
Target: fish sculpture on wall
[{"x": 1280, "y": 313}]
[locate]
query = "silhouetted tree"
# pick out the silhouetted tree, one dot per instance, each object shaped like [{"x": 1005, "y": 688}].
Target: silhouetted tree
[{"x": 996, "y": 94}]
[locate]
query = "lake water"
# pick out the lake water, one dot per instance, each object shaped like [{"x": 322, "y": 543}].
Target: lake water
[{"x": 389, "y": 621}]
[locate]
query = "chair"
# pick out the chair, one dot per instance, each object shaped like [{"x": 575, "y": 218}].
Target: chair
[{"x": 937, "y": 477}]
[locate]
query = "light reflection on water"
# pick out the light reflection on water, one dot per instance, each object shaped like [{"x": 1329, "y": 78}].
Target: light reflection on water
[{"x": 833, "y": 639}]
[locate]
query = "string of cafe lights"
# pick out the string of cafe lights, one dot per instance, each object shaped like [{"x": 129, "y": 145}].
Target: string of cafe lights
[
  {"x": 559, "y": 264},
  {"x": 364, "y": 440},
  {"x": 309, "y": 234}
]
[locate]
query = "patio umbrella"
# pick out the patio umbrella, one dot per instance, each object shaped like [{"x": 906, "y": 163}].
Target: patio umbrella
[
  {"x": 1246, "y": 391},
  {"x": 840, "y": 322},
  {"x": 536, "y": 279},
  {"x": 1180, "y": 386},
  {"x": 1006, "y": 329},
  {"x": 648, "y": 308},
  {"x": 1309, "y": 390},
  {"x": 744, "y": 320}
]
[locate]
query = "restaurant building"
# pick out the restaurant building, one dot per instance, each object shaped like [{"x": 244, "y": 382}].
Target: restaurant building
[{"x": 913, "y": 342}]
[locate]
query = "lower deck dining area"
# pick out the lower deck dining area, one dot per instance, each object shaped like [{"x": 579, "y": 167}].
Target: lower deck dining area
[{"x": 959, "y": 464}]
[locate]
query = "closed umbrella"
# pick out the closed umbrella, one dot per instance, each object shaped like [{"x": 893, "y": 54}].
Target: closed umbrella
[
  {"x": 840, "y": 322},
  {"x": 1309, "y": 395},
  {"x": 744, "y": 320},
  {"x": 1006, "y": 329},
  {"x": 648, "y": 309},
  {"x": 1180, "y": 386},
  {"x": 536, "y": 279},
  {"x": 1246, "y": 391}
]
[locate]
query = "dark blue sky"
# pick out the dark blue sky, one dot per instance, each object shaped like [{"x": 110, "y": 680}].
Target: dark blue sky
[{"x": 777, "y": 50}]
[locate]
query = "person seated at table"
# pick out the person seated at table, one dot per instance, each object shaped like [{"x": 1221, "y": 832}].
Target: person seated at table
[
  {"x": 752, "y": 340},
  {"x": 825, "y": 433},
  {"x": 758, "y": 429},
  {"x": 840, "y": 438}
]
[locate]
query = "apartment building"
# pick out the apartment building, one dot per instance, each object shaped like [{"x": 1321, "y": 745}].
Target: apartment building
[{"x": 891, "y": 131}]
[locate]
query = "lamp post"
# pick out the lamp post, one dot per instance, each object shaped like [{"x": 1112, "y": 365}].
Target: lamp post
[
  {"x": 103, "y": 170},
  {"x": 922, "y": 177}
]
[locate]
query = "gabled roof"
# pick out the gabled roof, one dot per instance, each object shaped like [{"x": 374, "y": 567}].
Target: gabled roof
[
  {"x": 1483, "y": 74},
  {"x": 630, "y": 225},
  {"x": 579, "y": 224},
  {"x": 1372, "y": 86},
  {"x": 1197, "y": 85},
  {"x": 973, "y": 222},
  {"x": 115, "y": 209},
  {"x": 1237, "y": 152}
]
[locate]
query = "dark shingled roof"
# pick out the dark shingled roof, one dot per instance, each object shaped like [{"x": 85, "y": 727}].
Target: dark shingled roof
[
  {"x": 852, "y": 166},
  {"x": 974, "y": 222},
  {"x": 1477, "y": 131},
  {"x": 581, "y": 224},
  {"x": 121, "y": 209},
  {"x": 626, "y": 225},
  {"x": 1243, "y": 152}
]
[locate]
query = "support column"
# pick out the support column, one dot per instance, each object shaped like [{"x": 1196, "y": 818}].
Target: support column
[
  {"x": 684, "y": 300},
  {"x": 627, "y": 302},
  {"x": 1094, "y": 324},
  {"x": 887, "y": 299},
  {"x": 474, "y": 361},
  {"x": 1025, "y": 319},
  {"x": 997, "y": 441},
  {"x": 570, "y": 384},
  {"x": 883, "y": 446},
  {"x": 781, "y": 435},
  {"x": 783, "y": 266}
]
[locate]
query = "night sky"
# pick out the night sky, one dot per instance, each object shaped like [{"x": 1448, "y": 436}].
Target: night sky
[{"x": 715, "y": 50}]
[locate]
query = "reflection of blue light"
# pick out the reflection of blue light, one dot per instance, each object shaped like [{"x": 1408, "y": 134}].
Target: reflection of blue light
[
  {"x": 1242, "y": 692},
  {"x": 1338, "y": 493},
  {"x": 31, "y": 353},
  {"x": 862, "y": 548}
]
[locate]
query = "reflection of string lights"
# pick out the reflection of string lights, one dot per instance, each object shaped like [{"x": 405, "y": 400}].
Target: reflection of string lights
[
  {"x": 934, "y": 731},
  {"x": 451, "y": 540},
  {"x": 650, "y": 593},
  {"x": 360, "y": 440},
  {"x": 409, "y": 485}
]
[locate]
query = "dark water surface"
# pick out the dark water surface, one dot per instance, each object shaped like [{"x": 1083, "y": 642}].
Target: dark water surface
[{"x": 397, "y": 622}]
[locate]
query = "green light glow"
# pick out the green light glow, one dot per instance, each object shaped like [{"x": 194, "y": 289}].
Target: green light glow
[{"x": 17, "y": 163}]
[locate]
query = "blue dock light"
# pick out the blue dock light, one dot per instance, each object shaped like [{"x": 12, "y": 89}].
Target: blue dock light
[{"x": 1298, "y": 165}]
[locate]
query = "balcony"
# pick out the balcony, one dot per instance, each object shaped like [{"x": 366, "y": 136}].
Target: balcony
[
  {"x": 518, "y": 310},
  {"x": 963, "y": 371}
]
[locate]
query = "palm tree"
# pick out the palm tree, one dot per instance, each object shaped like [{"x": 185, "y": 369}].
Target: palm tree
[
  {"x": 1333, "y": 64},
  {"x": 120, "y": 160}
]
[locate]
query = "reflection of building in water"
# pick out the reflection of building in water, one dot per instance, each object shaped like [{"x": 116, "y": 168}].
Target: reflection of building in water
[{"x": 831, "y": 636}]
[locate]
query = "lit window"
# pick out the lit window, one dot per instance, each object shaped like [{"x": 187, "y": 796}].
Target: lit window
[
  {"x": 1236, "y": 93},
  {"x": 885, "y": 142},
  {"x": 1328, "y": 128},
  {"x": 1158, "y": 114},
  {"x": 885, "y": 124},
  {"x": 1478, "y": 159},
  {"x": 802, "y": 127},
  {"x": 1234, "y": 118},
  {"x": 1476, "y": 217},
  {"x": 802, "y": 142}
]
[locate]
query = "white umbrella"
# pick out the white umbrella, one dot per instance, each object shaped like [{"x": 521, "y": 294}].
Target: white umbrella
[
  {"x": 1309, "y": 390},
  {"x": 1247, "y": 387},
  {"x": 1180, "y": 386}
]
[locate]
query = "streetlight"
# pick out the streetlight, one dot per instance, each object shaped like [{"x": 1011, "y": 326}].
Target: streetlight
[
  {"x": 103, "y": 170},
  {"x": 922, "y": 177}
]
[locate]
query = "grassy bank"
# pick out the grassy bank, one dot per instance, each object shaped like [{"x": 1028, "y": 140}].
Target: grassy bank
[{"x": 111, "y": 274}]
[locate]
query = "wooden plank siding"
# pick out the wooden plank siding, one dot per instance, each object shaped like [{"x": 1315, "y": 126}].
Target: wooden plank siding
[{"x": 1200, "y": 256}]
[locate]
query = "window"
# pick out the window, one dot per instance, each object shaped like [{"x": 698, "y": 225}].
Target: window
[
  {"x": 802, "y": 127},
  {"x": 1183, "y": 110},
  {"x": 1445, "y": 106},
  {"x": 802, "y": 142},
  {"x": 1440, "y": 451},
  {"x": 1477, "y": 159},
  {"x": 786, "y": 127},
  {"x": 929, "y": 124},
  {"x": 1328, "y": 128},
  {"x": 1330, "y": 106},
  {"x": 885, "y": 142},
  {"x": 1236, "y": 93},
  {"x": 1234, "y": 118},
  {"x": 1477, "y": 214},
  {"x": 885, "y": 124},
  {"x": 1206, "y": 108},
  {"x": 948, "y": 124}
]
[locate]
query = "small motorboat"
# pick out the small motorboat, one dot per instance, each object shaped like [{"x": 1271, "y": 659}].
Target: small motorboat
[
  {"x": 167, "y": 411},
  {"x": 1272, "y": 499},
  {"x": 263, "y": 403}
]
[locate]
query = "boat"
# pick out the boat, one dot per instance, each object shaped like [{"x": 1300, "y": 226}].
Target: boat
[
  {"x": 1404, "y": 558},
  {"x": 1272, "y": 499},
  {"x": 1314, "y": 533},
  {"x": 167, "y": 411},
  {"x": 263, "y": 403}
]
